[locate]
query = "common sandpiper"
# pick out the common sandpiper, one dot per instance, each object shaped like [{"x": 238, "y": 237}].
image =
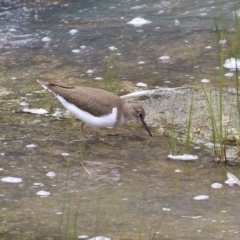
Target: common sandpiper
[{"x": 95, "y": 107}]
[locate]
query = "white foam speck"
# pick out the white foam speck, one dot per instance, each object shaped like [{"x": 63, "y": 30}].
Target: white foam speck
[
  {"x": 216, "y": 185},
  {"x": 201, "y": 197},
  {"x": 112, "y": 48},
  {"x": 59, "y": 213},
  {"x": 164, "y": 57},
  {"x": 90, "y": 71},
  {"x": 100, "y": 238},
  {"x": 166, "y": 209},
  {"x": 230, "y": 74},
  {"x": 135, "y": 170},
  {"x": 232, "y": 179},
  {"x": 2, "y": 154},
  {"x": 23, "y": 103},
  {"x": 138, "y": 22},
  {"x": 11, "y": 179},
  {"x": 38, "y": 184},
  {"x": 1, "y": 169},
  {"x": 65, "y": 154},
  {"x": 12, "y": 30},
  {"x": 194, "y": 217},
  {"x": 51, "y": 174},
  {"x": 232, "y": 63},
  {"x": 177, "y": 170},
  {"x": 83, "y": 47},
  {"x": 205, "y": 80},
  {"x": 176, "y": 22},
  {"x": 184, "y": 157},
  {"x": 43, "y": 193},
  {"x": 141, "y": 84},
  {"x": 57, "y": 113},
  {"x": 141, "y": 62},
  {"x": 73, "y": 31},
  {"x": 208, "y": 47},
  {"x": 138, "y": 7},
  {"x": 46, "y": 39},
  {"x": 222, "y": 42},
  {"x": 38, "y": 111},
  {"x": 76, "y": 51},
  {"x": 82, "y": 236},
  {"x": 209, "y": 145},
  {"x": 98, "y": 78},
  {"x": 31, "y": 145}
]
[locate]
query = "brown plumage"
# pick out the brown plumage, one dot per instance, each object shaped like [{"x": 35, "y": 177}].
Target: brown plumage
[
  {"x": 92, "y": 100},
  {"x": 106, "y": 109}
]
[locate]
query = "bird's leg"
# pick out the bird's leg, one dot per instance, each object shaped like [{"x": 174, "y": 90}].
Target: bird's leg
[
  {"x": 82, "y": 133},
  {"x": 102, "y": 138},
  {"x": 97, "y": 135},
  {"x": 82, "y": 152}
]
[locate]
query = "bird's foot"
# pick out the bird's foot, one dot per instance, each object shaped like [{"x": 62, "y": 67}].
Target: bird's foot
[
  {"x": 76, "y": 140},
  {"x": 88, "y": 139}
]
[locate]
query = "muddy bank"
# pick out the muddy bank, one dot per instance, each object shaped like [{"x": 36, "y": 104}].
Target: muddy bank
[{"x": 174, "y": 108}]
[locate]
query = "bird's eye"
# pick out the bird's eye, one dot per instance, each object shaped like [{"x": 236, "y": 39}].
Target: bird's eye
[{"x": 140, "y": 114}]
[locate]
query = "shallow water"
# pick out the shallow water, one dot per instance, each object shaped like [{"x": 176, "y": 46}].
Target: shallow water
[
  {"x": 177, "y": 28},
  {"x": 135, "y": 191}
]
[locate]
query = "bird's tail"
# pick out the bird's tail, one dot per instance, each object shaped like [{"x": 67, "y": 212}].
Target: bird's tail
[{"x": 45, "y": 85}]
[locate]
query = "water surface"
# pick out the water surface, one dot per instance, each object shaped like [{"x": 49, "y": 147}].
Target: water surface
[{"x": 135, "y": 191}]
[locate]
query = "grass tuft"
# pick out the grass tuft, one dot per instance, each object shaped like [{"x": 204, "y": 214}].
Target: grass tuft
[{"x": 110, "y": 80}]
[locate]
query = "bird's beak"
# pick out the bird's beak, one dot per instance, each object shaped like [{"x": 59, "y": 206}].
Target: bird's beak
[{"x": 145, "y": 126}]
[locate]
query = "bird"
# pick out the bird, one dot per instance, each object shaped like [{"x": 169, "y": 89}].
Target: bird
[{"x": 95, "y": 107}]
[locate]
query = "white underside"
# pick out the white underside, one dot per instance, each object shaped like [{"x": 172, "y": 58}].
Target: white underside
[{"x": 106, "y": 121}]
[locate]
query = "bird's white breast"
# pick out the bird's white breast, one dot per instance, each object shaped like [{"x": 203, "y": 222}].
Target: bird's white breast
[{"x": 106, "y": 121}]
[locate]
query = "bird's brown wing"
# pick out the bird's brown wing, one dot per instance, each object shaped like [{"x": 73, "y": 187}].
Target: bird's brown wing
[{"x": 95, "y": 101}]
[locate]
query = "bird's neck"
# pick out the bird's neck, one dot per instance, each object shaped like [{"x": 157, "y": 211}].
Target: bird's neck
[{"x": 128, "y": 112}]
